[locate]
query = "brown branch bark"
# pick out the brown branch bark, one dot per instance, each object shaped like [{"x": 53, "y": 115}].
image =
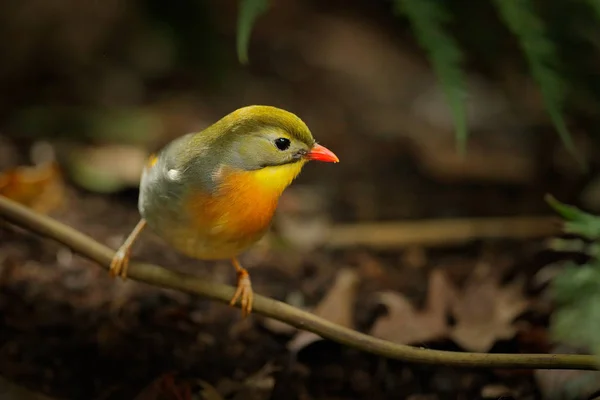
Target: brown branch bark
[
  {"x": 159, "y": 276},
  {"x": 390, "y": 235}
]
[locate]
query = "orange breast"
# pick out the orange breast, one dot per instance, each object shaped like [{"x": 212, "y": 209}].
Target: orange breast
[{"x": 240, "y": 211}]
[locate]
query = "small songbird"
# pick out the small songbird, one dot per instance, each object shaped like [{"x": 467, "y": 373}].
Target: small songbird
[{"x": 213, "y": 194}]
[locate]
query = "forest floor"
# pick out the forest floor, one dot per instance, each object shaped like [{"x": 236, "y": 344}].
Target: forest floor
[{"x": 70, "y": 331}]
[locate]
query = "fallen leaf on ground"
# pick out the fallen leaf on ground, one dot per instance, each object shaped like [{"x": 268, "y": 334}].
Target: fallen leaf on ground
[
  {"x": 337, "y": 306},
  {"x": 209, "y": 392},
  {"x": 485, "y": 310},
  {"x": 406, "y": 325},
  {"x": 259, "y": 385},
  {"x": 39, "y": 187}
]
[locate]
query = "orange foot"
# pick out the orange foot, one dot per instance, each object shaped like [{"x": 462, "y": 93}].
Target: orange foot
[
  {"x": 244, "y": 290},
  {"x": 119, "y": 263}
]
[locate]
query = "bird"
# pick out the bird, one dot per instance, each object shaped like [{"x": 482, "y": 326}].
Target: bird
[{"x": 212, "y": 194}]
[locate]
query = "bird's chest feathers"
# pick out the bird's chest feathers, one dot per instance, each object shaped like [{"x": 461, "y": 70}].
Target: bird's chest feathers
[{"x": 244, "y": 202}]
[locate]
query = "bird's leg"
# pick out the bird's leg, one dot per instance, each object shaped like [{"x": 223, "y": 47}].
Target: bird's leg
[
  {"x": 244, "y": 288},
  {"x": 120, "y": 261}
]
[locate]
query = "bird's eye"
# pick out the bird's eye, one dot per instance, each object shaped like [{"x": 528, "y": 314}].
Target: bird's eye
[{"x": 282, "y": 143}]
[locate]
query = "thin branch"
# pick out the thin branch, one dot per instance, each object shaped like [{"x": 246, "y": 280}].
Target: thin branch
[
  {"x": 442, "y": 232},
  {"x": 159, "y": 276}
]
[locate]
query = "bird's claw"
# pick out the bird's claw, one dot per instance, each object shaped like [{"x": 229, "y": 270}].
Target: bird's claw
[
  {"x": 244, "y": 293},
  {"x": 119, "y": 264}
]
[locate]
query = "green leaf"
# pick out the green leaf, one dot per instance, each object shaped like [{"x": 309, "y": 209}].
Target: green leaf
[
  {"x": 577, "y": 318},
  {"x": 249, "y": 11},
  {"x": 576, "y": 282},
  {"x": 566, "y": 211},
  {"x": 595, "y": 5},
  {"x": 427, "y": 18},
  {"x": 578, "y": 222},
  {"x": 567, "y": 245},
  {"x": 522, "y": 20}
]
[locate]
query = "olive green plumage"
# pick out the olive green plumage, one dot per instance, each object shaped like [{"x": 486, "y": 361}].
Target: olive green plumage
[
  {"x": 250, "y": 119},
  {"x": 243, "y": 139},
  {"x": 212, "y": 194}
]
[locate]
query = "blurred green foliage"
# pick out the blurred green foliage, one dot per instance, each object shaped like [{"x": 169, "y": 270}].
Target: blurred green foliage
[
  {"x": 122, "y": 55},
  {"x": 576, "y": 290},
  {"x": 524, "y": 19},
  {"x": 250, "y": 10},
  {"x": 428, "y": 21}
]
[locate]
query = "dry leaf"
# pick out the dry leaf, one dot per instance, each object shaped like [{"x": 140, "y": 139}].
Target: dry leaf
[
  {"x": 405, "y": 325},
  {"x": 337, "y": 306},
  {"x": 39, "y": 187},
  {"x": 209, "y": 392},
  {"x": 259, "y": 385},
  {"x": 485, "y": 311}
]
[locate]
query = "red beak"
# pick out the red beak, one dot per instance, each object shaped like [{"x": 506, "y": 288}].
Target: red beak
[{"x": 321, "y": 153}]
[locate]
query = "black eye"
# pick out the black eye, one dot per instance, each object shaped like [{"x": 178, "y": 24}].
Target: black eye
[{"x": 282, "y": 143}]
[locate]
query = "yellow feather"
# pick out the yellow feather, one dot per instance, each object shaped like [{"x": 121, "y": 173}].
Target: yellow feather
[
  {"x": 276, "y": 178},
  {"x": 243, "y": 208}
]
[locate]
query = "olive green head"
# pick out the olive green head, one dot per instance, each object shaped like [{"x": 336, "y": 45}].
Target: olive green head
[{"x": 255, "y": 137}]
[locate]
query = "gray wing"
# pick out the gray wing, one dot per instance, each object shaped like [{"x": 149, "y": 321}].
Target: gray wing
[{"x": 178, "y": 170}]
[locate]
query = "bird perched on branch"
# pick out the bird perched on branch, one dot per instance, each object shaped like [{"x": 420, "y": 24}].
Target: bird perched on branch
[{"x": 213, "y": 194}]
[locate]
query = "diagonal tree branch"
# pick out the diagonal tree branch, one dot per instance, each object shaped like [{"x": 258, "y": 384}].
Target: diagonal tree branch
[{"x": 159, "y": 276}]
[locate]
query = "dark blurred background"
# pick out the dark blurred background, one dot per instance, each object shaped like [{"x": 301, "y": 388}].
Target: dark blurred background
[
  {"x": 141, "y": 73},
  {"x": 90, "y": 88}
]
